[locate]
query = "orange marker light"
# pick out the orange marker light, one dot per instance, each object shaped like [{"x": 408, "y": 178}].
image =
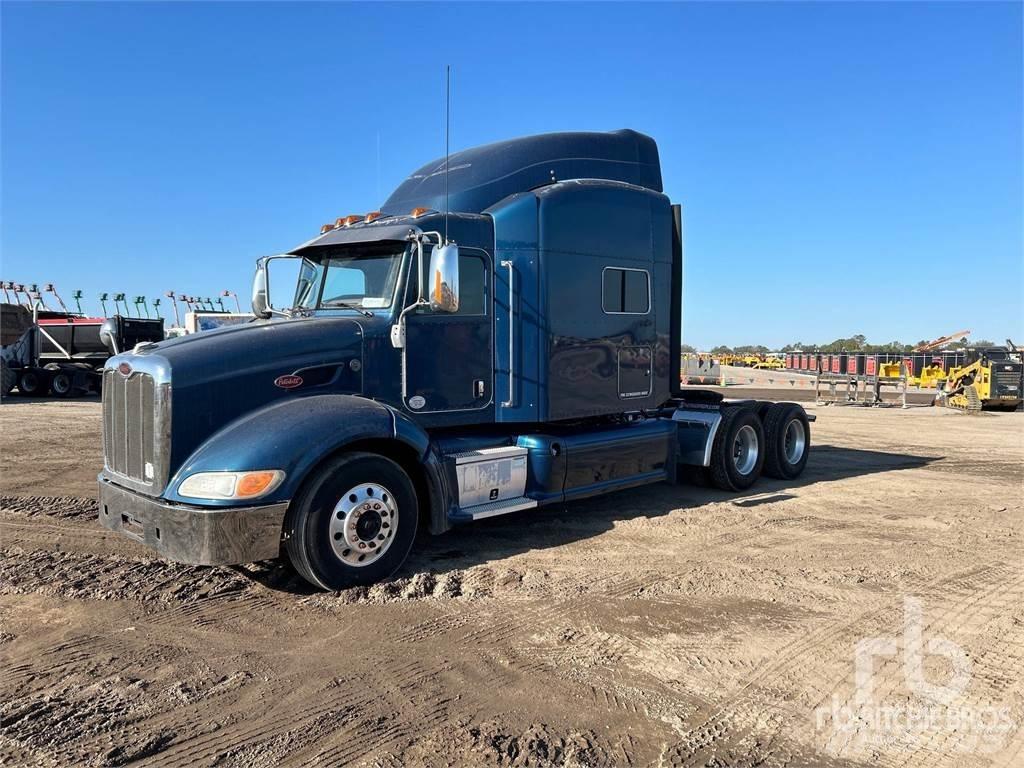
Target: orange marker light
[
  {"x": 350, "y": 220},
  {"x": 417, "y": 212},
  {"x": 326, "y": 228},
  {"x": 254, "y": 483},
  {"x": 373, "y": 216}
]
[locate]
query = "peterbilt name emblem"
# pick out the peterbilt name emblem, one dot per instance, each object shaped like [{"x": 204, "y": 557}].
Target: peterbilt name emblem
[
  {"x": 291, "y": 381},
  {"x": 124, "y": 369}
]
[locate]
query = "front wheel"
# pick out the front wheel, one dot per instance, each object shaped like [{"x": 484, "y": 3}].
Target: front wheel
[{"x": 353, "y": 523}]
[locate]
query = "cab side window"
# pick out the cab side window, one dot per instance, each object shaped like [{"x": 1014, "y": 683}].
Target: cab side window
[{"x": 474, "y": 285}]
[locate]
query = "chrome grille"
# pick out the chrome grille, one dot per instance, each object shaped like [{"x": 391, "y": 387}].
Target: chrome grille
[{"x": 134, "y": 432}]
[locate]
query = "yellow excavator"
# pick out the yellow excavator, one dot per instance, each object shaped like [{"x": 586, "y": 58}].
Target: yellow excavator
[{"x": 991, "y": 379}]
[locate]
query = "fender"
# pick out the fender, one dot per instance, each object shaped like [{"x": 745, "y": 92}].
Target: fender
[{"x": 294, "y": 435}]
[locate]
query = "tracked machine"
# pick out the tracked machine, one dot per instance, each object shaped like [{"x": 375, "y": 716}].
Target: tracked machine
[{"x": 992, "y": 379}]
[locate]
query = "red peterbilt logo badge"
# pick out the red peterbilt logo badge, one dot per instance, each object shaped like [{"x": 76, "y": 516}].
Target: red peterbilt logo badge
[
  {"x": 288, "y": 382},
  {"x": 124, "y": 369}
]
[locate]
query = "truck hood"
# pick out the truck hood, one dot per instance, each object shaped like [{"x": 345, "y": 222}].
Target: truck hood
[
  {"x": 256, "y": 347},
  {"x": 218, "y": 376}
]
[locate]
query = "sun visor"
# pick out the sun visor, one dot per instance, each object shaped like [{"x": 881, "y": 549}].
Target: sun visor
[{"x": 357, "y": 234}]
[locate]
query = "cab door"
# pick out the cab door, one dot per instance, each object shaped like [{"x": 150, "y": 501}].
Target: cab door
[{"x": 449, "y": 356}]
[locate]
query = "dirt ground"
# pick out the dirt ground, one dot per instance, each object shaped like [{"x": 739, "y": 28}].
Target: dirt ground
[{"x": 658, "y": 627}]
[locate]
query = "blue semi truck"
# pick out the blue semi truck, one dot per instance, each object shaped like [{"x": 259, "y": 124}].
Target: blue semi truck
[{"x": 502, "y": 334}]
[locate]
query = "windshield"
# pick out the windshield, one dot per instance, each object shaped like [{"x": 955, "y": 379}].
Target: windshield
[{"x": 349, "y": 277}]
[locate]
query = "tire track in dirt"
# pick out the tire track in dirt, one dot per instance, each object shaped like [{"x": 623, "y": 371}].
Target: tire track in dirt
[
  {"x": 62, "y": 507},
  {"x": 773, "y": 707},
  {"x": 367, "y": 709},
  {"x": 710, "y": 732},
  {"x": 1002, "y": 657},
  {"x": 97, "y": 577}
]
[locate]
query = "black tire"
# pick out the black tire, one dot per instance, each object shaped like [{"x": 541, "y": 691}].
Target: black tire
[
  {"x": 62, "y": 384},
  {"x": 308, "y": 524},
  {"x": 732, "y": 468},
  {"x": 9, "y": 379},
  {"x": 788, "y": 441},
  {"x": 33, "y": 382}
]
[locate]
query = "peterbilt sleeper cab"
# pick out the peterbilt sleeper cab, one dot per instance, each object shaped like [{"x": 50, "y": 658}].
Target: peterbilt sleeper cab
[{"x": 434, "y": 369}]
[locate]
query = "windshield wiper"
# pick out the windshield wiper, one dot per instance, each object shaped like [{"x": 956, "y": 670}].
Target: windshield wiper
[{"x": 347, "y": 305}]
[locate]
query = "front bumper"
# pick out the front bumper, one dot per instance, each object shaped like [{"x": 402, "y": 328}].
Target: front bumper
[{"x": 194, "y": 535}]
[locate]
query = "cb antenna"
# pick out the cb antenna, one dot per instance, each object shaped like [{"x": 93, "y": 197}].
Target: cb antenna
[{"x": 447, "y": 136}]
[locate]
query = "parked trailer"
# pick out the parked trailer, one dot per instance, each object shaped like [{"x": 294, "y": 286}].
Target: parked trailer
[
  {"x": 436, "y": 370},
  {"x": 62, "y": 354}
]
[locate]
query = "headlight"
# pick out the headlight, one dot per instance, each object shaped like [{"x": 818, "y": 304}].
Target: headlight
[{"x": 230, "y": 485}]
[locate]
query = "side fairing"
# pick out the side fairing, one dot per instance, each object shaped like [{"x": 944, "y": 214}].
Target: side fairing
[{"x": 518, "y": 314}]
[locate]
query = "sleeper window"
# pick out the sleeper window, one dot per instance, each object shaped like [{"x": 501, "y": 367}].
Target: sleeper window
[{"x": 626, "y": 291}]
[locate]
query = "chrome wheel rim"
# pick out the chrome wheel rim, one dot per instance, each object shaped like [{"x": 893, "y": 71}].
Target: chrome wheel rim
[
  {"x": 363, "y": 524},
  {"x": 796, "y": 441},
  {"x": 745, "y": 449}
]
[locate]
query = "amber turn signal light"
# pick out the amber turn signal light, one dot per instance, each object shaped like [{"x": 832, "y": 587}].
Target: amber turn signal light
[{"x": 254, "y": 483}]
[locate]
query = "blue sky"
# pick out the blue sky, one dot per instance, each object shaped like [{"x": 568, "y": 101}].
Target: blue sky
[{"x": 843, "y": 168}]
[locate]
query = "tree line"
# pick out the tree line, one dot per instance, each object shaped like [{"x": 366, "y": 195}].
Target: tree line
[{"x": 858, "y": 343}]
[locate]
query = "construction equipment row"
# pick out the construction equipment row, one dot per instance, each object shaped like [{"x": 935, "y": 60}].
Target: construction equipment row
[{"x": 971, "y": 379}]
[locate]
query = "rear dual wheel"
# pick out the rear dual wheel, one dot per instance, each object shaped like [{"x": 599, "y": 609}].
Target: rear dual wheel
[
  {"x": 353, "y": 523},
  {"x": 788, "y": 439},
  {"x": 737, "y": 453},
  {"x": 773, "y": 439},
  {"x": 62, "y": 384},
  {"x": 34, "y": 382},
  {"x": 8, "y": 379}
]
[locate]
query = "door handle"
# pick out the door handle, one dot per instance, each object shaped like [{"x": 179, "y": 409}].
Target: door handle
[{"x": 511, "y": 334}]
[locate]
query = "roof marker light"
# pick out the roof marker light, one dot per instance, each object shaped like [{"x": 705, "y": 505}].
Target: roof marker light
[
  {"x": 373, "y": 216},
  {"x": 417, "y": 212},
  {"x": 327, "y": 228}
]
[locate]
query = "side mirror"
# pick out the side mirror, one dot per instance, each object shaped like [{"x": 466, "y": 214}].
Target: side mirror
[
  {"x": 443, "y": 280},
  {"x": 261, "y": 290},
  {"x": 108, "y": 335}
]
